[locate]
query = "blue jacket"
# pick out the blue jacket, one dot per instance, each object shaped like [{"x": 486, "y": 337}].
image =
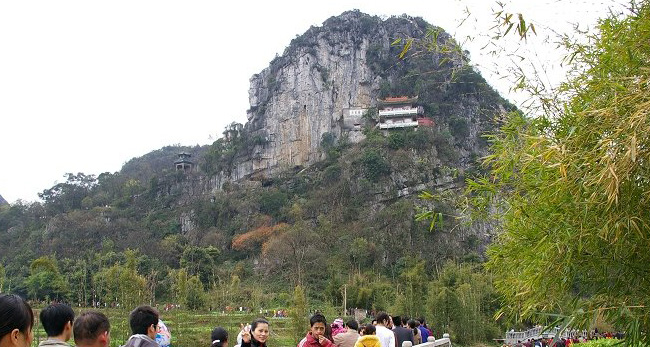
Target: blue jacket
[{"x": 424, "y": 332}]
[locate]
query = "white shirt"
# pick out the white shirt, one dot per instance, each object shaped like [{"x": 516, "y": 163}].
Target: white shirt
[{"x": 386, "y": 336}]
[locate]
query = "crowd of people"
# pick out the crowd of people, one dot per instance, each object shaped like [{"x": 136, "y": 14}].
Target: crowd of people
[
  {"x": 89, "y": 329},
  {"x": 568, "y": 341},
  {"x": 92, "y": 329},
  {"x": 384, "y": 331}
]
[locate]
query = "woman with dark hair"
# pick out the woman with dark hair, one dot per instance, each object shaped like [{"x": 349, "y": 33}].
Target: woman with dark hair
[
  {"x": 417, "y": 336},
  {"x": 219, "y": 337},
  {"x": 368, "y": 337},
  {"x": 16, "y": 321},
  {"x": 256, "y": 334}
]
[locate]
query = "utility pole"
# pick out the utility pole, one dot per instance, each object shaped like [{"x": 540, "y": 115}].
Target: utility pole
[{"x": 345, "y": 300}]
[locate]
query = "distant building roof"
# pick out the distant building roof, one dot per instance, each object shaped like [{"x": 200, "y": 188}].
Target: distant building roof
[
  {"x": 396, "y": 100},
  {"x": 183, "y": 158}
]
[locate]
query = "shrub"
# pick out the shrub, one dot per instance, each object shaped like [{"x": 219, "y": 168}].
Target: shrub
[{"x": 374, "y": 165}]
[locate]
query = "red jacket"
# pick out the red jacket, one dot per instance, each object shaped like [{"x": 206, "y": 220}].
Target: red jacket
[{"x": 310, "y": 341}]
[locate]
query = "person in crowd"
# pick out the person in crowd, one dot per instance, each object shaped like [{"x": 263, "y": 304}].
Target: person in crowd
[
  {"x": 163, "y": 335},
  {"x": 423, "y": 330},
  {"x": 328, "y": 332},
  {"x": 144, "y": 324},
  {"x": 338, "y": 327},
  {"x": 57, "y": 322},
  {"x": 16, "y": 321},
  {"x": 349, "y": 337},
  {"x": 256, "y": 334},
  {"x": 316, "y": 335},
  {"x": 417, "y": 336},
  {"x": 402, "y": 333},
  {"x": 386, "y": 336},
  {"x": 219, "y": 337},
  {"x": 92, "y": 329},
  {"x": 368, "y": 337}
]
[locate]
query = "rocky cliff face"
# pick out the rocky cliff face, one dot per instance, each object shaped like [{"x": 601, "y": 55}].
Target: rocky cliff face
[
  {"x": 302, "y": 94},
  {"x": 348, "y": 64}
]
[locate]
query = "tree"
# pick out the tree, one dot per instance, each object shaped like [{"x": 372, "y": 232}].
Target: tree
[
  {"x": 121, "y": 285},
  {"x": 2, "y": 277},
  {"x": 195, "y": 296},
  {"x": 199, "y": 261},
  {"x": 68, "y": 195},
  {"x": 45, "y": 280},
  {"x": 571, "y": 189},
  {"x": 463, "y": 302},
  {"x": 294, "y": 247},
  {"x": 298, "y": 314},
  {"x": 412, "y": 290},
  {"x": 180, "y": 286}
]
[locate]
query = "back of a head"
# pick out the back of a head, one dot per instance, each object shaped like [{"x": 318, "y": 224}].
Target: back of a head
[
  {"x": 89, "y": 326},
  {"x": 383, "y": 318},
  {"x": 412, "y": 324},
  {"x": 397, "y": 321},
  {"x": 317, "y": 318},
  {"x": 219, "y": 337},
  {"x": 55, "y": 317},
  {"x": 15, "y": 313},
  {"x": 405, "y": 320},
  {"x": 352, "y": 324},
  {"x": 369, "y": 329},
  {"x": 142, "y": 318}
]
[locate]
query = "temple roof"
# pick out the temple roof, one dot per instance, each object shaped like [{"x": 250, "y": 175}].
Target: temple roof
[{"x": 397, "y": 100}]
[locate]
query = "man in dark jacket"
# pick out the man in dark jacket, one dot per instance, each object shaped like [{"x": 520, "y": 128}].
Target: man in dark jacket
[
  {"x": 144, "y": 323},
  {"x": 401, "y": 333}
]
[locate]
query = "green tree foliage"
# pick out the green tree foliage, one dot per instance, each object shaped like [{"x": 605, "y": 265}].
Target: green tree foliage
[
  {"x": 180, "y": 285},
  {"x": 221, "y": 155},
  {"x": 199, "y": 261},
  {"x": 195, "y": 297},
  {"x": 346, "y": 221},
  {"x": 572, "y": 189},
  {"x": 462, "y": 301},
  {"x": 78, "y": 275},
  {"x": 412, "y": 290},
  {"x": 3, "y": 277},
  {"x": 45, "y": 280},
  {"x": 272, "y": 202},
  {"x": 374, "y": 165},
  {"x": 298, "y": 314},
  {"x": 295, "y": 251},
  {"x": 70, "y": 194},
  {"x": 121, "y": 284}
]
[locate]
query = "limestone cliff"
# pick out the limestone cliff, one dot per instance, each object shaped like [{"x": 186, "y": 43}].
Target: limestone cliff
[{"x": 348, "y": 63}]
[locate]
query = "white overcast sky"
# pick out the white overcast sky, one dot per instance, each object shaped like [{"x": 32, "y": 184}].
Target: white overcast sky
[{"x": 87, "y": 85}]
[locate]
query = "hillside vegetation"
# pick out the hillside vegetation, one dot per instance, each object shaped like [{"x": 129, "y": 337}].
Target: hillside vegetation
[{"x": 343, "y": 225}]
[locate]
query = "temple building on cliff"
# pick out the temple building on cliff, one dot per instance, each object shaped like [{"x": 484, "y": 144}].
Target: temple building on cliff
[{"x": 401, "y": 112}]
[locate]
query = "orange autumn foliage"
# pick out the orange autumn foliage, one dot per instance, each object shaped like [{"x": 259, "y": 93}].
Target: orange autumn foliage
[{"x": 256, "y": 236}]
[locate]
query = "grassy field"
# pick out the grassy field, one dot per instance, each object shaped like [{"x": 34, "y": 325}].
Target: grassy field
[{"x": 188, "y": 328}]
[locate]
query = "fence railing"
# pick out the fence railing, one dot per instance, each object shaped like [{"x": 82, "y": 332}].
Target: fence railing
[
  {"x": 432, "y": 342},
  {"x": 512, "y": 337}
]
